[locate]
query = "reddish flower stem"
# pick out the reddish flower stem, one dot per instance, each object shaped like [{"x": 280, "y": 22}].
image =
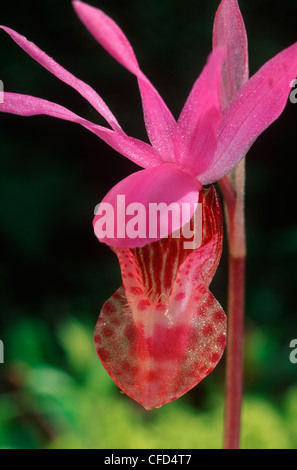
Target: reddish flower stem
[
  {"x": 232, "y": 188},
  {"x": 234, "y": 352}
]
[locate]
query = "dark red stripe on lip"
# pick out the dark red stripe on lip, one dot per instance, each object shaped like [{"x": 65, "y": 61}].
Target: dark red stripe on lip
[{"x": 159, "y": 262}]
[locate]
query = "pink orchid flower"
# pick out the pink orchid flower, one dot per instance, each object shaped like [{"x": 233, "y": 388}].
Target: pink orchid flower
[{"x": 162, "y": 332}]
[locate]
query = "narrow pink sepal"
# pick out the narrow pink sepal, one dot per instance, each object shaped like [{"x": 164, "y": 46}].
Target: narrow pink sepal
[
  {"x": 196, "y": 133},
  {"x": 229, "y": 30},
  {"x": 52, "y": 66},
  {"x": 163, "y": 184},
  {"x": 259, "y": 103},
  {"x": 108, "y": 34},
  {"x": 159, "y": 121},
  {"x": 24, "y": 105}
]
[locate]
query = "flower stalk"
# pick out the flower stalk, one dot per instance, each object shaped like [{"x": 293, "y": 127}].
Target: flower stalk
[{"x": 232, "y": 188}]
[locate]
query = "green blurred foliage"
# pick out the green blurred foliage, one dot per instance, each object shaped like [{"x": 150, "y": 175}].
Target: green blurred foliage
[
  {"x": 54, "y": 276},
  {"x": 78, "y": 405}
]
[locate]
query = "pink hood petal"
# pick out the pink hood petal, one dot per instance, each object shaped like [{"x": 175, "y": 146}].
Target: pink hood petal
[
  {"x": 229, "y": 30},
  {"x": 139, "y": 152},
  {"x": 48, "y": 63},
  {"x": 196, "y": 134},
  {"x": 165, "y": 183},
  {"x": 158, "y": 119},
  {"x": 259, "y": 103}
]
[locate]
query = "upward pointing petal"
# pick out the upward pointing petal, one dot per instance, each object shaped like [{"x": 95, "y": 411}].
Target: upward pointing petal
[
  {"x": 158, "y": 119},
  {"x": 52, "y": 66},
  {"x": 257, "y": 105},
  {"x": 229, "y": 30},
  {"x": 196, "y": 133},
  {"x": 108, "y": 34}
]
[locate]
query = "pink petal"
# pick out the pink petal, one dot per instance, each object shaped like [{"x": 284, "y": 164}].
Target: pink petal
[
  {"x": 48, "y": 63},
  {"x": 162, "y": 332},
  {"x": 158, "y": 119},
  {"x": 259, "y": 103},
  {"x": 165, "y": 183},
  {"x": 196, "y": 134},
  {"x": 136, "y": 150},
  {"x": 229, "y": 30}
]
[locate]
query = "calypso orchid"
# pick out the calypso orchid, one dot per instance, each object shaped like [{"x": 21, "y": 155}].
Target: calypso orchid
[{"x": 163, "y": 331}]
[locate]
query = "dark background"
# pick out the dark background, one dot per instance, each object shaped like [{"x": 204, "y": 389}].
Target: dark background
[{"x": 53, "y": 173}]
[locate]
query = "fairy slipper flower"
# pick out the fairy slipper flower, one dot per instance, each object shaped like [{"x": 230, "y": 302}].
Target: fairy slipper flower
[{"x": 163, "y": 331}]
